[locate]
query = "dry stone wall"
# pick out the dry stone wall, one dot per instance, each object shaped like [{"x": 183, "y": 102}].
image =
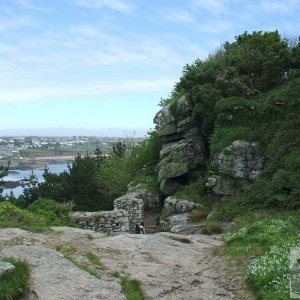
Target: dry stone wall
[{"x": 114, "y": 221}]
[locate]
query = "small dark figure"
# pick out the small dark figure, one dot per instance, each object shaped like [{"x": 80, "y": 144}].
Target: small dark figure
[{"x": 137, "y": 229}]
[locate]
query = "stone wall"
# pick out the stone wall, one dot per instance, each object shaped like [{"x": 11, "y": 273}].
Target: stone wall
[
  {"x": 134, "y": 205},
  {"x": 114, "y": 221},
  {"x": 235, "y": 168}
]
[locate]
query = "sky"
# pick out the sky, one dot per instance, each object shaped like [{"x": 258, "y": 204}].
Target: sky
[{"x": 100, "y": 67}]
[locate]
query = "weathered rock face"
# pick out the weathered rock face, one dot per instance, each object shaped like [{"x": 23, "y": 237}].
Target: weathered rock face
[
  {"x": 183, "y": 152},
  {"x": 235, "y": 168},
  {"x": 173, "y": 205}
]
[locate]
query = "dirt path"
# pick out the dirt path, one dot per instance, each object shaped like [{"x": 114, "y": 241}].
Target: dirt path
[{"x": 170, "y": 266}]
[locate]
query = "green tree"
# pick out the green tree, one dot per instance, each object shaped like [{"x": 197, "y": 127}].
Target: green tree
[
  {"x": 31, "y": 190},
  {"x": 119, "y": 149}
]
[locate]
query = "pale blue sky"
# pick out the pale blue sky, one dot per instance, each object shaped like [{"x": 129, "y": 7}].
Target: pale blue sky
[{"x": 81, "y": 66}]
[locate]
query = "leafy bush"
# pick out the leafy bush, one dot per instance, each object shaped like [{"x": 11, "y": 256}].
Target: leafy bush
[
  {"x": 15, "y": 283},
  {"x": 11, "y": 213},
  {"x": 52, "y": 212}
]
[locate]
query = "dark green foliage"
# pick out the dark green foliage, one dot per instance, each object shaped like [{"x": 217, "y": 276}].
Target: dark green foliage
[
  {"x": 3, "y": 172},
  {"x": 82, "y": 185},
  {"x": 15, "y": 283},
  {"x": 146, "y": 154},
  {"x": 119, "y": 149},
  {"x": 79, "y": 185},
  {"x": 261, "y": 58}
]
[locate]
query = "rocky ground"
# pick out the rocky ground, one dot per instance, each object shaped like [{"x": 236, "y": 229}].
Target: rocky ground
[{"x": 169, "y": 266}]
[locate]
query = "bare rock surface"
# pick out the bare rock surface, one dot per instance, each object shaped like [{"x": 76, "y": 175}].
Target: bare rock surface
[
  {"x": 54, "y": 277},
  {"x": 169, "y": 266}
]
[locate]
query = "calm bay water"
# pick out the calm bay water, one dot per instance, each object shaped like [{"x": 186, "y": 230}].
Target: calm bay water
[{"x": 17, "y": 175}]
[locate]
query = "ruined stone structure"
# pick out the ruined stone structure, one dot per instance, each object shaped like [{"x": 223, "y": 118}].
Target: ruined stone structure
[
  {"x": 115, "y": 221},
  {"x": 151, "y": 200},
  {"x": 134, "y": 205},
  {"x": 128, "y": 211}
]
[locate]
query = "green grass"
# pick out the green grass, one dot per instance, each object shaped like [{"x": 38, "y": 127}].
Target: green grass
[
  {"x": 132, "y": 289},
  {"x": 94, "y": 259},
  {"x": 83, "y": 267},
  {"x": 265, "y": 244},
  {"x": 15, "y": 283}
]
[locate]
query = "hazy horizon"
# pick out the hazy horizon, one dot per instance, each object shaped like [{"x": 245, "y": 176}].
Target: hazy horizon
[{"x": 104, "y": 132}]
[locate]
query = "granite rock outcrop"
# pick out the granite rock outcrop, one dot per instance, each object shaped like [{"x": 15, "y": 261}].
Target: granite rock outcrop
[
  {"x": 235, "y": 168},
  {"x": 183, "y": 152}
]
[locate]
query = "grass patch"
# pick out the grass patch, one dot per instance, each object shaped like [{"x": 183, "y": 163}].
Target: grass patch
[
  {"x": 83, "y": 267},
  {"x": 132, "y": 289},
  {"x": 198, "y": 215},
  {"x": 94, "y": 259},
  {"x": 15, "y": 283},
  {"x": 212, "y": 228},
  {"x": 65, "y": 249}
]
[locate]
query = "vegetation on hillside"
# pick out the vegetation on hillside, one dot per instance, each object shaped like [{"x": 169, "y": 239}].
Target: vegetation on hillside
[
  {"x": 249, "y": 90},
  {"x": 261, "y": 243}
]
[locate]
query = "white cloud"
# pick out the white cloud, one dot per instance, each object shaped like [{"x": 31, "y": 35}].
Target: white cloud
[
  {"x": 113, "y": 4},
  {"x": 213, "y": 6},
  {"x": 215, "y": 27},
  {"x": 179, "y": 16},
  {"x": 100, "y": 89},
  {"x": 271, "y": 6},
  {"x": 16, "y": 22}
]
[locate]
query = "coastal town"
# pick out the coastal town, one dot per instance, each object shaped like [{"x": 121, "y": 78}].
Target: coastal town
[{"x": 27, "y": 151}]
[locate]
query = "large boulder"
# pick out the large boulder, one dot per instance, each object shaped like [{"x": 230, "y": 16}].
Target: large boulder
[
  {"x": 173, "y": 205},
  {"x": 178, "y": 160},
  {"x": 175, "y": 120},
  {"x": 235, "y": 167}
]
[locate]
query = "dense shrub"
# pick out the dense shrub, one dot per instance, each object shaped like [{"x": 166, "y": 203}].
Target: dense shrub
[
  {"x": 11, "y": 213},
  {"x": 52, "y": 212}
]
